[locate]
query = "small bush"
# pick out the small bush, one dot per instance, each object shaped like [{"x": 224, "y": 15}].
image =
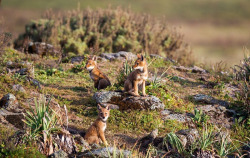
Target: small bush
[{"x": 109, "y": 30}]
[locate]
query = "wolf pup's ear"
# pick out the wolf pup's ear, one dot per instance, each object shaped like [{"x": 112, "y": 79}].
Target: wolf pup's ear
[
  {"x": 139, "y": 56},
  {"x": 108, "y": 107},
  {"x": 99, "y": 107},
  {"x": 94, "y": 58},
  {"x": 142, "y": 58}
]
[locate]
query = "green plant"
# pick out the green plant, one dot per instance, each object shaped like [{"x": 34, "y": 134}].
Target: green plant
[
  {"x": 242, "y": 71},
  {"x": 42, "y": 124},
  {"x": 206, "y": 137},
  {"x": 199, "y": 117},
  {"x": 175, "y": 142},
  {"x": 123, "y": 74}
]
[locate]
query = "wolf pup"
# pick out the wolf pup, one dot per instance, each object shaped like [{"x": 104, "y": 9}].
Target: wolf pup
[
  {"x": 137, "y": 77},
  {"x": 96, "y": 130},
  {"x": 101, "y": 81}
]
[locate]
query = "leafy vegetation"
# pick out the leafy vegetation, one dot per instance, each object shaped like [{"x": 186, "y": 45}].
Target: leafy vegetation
[{"x": 110, "y": 30}]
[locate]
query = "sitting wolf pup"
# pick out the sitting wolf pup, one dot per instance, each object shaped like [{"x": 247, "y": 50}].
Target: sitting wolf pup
[
  {"x": 101, "y": 81},
  {"x": 96, "y": 130},
  {"x": 137, "y": 77}
]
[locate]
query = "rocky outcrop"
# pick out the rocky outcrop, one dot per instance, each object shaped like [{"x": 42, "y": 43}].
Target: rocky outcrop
[
  {"x": 147, "y": 140},
  {"x": 12, "y": 118},
  {"x": 128, "y": 102},
  {"x": 106, "y": 152},
  {"x": 119, "y": 56},
  {"x": 187, "y": 136},
  {"x": 194, "y": 69},
  {"x": 10, "y": 103},
  {"x": 41, "y": 48},
  {"x": 22, "y": 68},
  {"x": 76, "y": 60},
  {"x": 18, "y": 88},
  {"x": 169, "y": 115},
  {"x": 202, "y": 98}
]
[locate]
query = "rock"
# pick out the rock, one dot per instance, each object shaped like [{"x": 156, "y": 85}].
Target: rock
[
  {"x": 106, "y": 152},
  {"x": 13, "y": 118},
  {"x": 194, "y": 69},
  {"x": 34, "y": 82},
  {"x": 82, "y": 143},
  {"x": 128, "y": 102},
  {"x": 41, "y": 48},
  {"x": 59, "y": 154},
  {"x": 169, "y": 115},
  {"x": 105, "y": 96},
  {"x": 18, "y": 88},
  {"x": 9, "y": 102},
  {"x": 160, "y": 57},
  {"x": 147, "y": 140},
  {"x": 77, "y": 59},
  {"x": 119, "y": 56},
  {"x": 202, "y": 98},
  {"x": 188, "y": 136},
  {"x": 22, "y": 68},
  {"x": 218, "y": 114}
]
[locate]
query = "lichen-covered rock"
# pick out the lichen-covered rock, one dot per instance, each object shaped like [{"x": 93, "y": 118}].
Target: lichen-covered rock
[
  {"x": 128, "y": 102},
  {"x": 9, "y": 102},
  {"x": 22, "y": 68},
  {"x": 77, "y": 59},
  {"x": 59, "y": 154},
  {"x": 13, "y": 118},
  {"x": 106, "y": 152},
  {"x": 18, "y": 88},
  {"x": 187, "y": 136},
  {"x": 144, "y": 142},
  {"x": 40, "y": 48},
  {"x": 194, "y": 69},
  {"x": 119, "y": 56},
  {"x": 169, "y": 115},
  {"x": 202, "y": 98}
]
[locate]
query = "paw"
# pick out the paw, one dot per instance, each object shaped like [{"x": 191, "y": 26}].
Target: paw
[{"x": 136, "y": 95}]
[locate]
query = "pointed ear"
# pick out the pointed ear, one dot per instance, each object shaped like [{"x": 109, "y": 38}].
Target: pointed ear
[
  {"x": 142, "y": 58},
  {"x": 138, "y": 56},
  {"x": 94, "y": 58},
  {"x": 99, "y": 107},
  {"x": 107, "y": 107}
]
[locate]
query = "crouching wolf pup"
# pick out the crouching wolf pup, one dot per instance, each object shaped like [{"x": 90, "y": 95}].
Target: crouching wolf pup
[
  {"x": 137, "y": 77},
  {"x": 96, "y": 130},
  {"x": 101, "y": 81}
]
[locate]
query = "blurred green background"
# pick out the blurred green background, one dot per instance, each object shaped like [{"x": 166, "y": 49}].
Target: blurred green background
[{"x": 216, "y": 30}]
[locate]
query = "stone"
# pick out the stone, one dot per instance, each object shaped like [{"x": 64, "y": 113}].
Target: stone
[
  {"x": 77, "y": 59},
  {"x": 194, "y": 69},
  {"x": 13, "y": 118},
  {"x": 9, "y": 102},
  {"x": 122, "y": 55},
  {"x": 147, "y": 140},
  {"x": 81, "y": 142},
  {"x": 106, "y": 152},
  {"x": 18, "y": 88},
  {"x": 59, "y": 154},
  {"x": 41, "y": 48},
  {"x": 22, "y": 68},
  {"x": 34, "y": 82},
  {"x": 169, "y": 115},
  {"x": 202, "y": 98},
  {"x": 128, "y": 102},
  {"x": 65, "y": 141},
  {"x": 188, "y": 136}
]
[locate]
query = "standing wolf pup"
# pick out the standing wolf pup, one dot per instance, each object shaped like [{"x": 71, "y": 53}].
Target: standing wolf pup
[
  {"x": 101, "y": 81},
  {"x": 137, "y": 77},
  {"x": 96, "y": 130}
]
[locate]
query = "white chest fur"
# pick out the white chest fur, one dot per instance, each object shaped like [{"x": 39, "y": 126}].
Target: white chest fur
[{"x": 104, "y": 127}]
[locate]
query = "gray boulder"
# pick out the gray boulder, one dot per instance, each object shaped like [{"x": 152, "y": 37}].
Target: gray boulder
[
  {"x": 14, "y": 119},
  {"x": 128, "y": 102},
  {"x": 194, "y": 69},
  {"x": 122, "y": 55},
  {"x": 106, "y": 152},
  {"x": 77, "y": 59},
  {"x": 59, "y": 154},
  {"x": 9, "y": 102},
  {"x": 18, "y": 88},
  {"x": 187, "y": 136},
  {"x": 169, "y": 115},
  {"x": 202, "y": 98}
]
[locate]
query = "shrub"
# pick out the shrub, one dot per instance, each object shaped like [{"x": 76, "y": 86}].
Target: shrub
[{"x": 109, "y": 30}]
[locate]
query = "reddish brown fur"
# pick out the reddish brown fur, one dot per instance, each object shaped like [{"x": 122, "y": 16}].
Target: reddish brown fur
[
  {"x": 137, "y": 77},
  {"x": 96, "y": 130},
  {"x": 101, "y": 81}
]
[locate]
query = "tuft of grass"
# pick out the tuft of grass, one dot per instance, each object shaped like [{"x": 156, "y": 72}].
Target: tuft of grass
[
  {"x": 175, "y": 142},
  {"x": 199, "y": 117}
]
